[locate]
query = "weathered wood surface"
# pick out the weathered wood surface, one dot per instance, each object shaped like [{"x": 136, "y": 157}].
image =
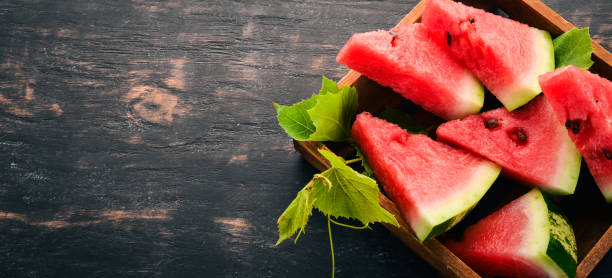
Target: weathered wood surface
[{"x": 137, "y": 138}]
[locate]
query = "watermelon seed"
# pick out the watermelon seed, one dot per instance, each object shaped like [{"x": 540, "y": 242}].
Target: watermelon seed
[
  {"x": 517, "y": 135},
  {"x": 608, "y": 154},
  {"x": 471, "y": 20},
  {"x": 448, "y": 38},
  {"x": 596, "y": 101},
  {"x": 492, "y": 123},
  {"x": 574, "y": 125},
  {"x": 521, "y": 135}
]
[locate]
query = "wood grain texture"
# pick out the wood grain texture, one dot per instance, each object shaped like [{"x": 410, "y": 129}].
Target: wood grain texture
[
  {"x": 434, "y": 252},
  {"x": 537, "y": 14},
  {"x": 599, "y": 250},
  {"x": 138, "y": 139}
]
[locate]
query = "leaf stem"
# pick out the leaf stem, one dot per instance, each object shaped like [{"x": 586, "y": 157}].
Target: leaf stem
[
  {"x": 298, "y": 236},
  {"x": 331, "y": 245},
  {"x": 352, "y": 160},
  {"x": 349, "y": 226}
]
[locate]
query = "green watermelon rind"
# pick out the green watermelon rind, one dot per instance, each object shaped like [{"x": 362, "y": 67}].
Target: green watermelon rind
[
  {"x": 607, "y": 194},
  {"x": 440, "y": 219},
  {"x": 515, "y": 97},
  {"x": 561, "y": 241},
  {"x": 552, "y": 245}
]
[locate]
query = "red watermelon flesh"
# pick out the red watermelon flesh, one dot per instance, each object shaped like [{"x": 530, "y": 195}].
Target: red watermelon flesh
[
  {"x": 583, "y": 103},
  {"x": 433, "y": 184},
  {"x": 413, "y": 64},
  {"x": 507, "y": 56},
  {"x": 526, "y": 238},
  {"x": 529, "y": 144}
]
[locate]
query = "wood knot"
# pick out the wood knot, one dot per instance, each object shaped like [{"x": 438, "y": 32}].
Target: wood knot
[{"x": 152, "y": 104}]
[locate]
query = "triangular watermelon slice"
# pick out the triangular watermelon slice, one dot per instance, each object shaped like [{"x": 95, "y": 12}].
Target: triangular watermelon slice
[
  {"x": 507, "y": 56},
  {"x": 583, "y": 103},
  {"x": 408, "y": 60},
  {"x": 529, "y": 144},
  {"x": 433, "y": 184},
  {"x": 528, "y": 237}
]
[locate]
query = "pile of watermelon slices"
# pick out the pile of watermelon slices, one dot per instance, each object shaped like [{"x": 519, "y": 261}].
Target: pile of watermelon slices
[{"x": 443, "y": 65}]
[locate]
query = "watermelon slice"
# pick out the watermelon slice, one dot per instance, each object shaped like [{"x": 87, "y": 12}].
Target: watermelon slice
[
  {"x": 526, "y": 238},
  {"x": 529, "y": 144},
  {"x": 433, "y": 184},
  {"x": 408, "y": 60},
  {"x": 583, "y": 103},
  {"x": 507, "y": 56}
]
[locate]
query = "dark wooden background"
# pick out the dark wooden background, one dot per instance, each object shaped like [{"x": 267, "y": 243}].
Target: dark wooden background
[{"x": 138, "y": 138}]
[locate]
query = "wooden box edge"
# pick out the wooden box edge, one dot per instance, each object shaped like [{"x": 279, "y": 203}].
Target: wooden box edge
[{"x": 433, "y": 251}]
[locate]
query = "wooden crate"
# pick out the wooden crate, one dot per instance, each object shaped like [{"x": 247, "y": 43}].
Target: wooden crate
[{"x": 586, "y": 209}]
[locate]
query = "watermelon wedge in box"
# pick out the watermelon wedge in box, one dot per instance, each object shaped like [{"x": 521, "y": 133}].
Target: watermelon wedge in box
[
  {"x": 413, "y": 64},
  {"x": 583, "y": 104},
  {"x": 507, "y": 56},
  {"x": 528, "y": 237},
  {"x": 528, "y": 143},
  {"x": 433, "y": 184}
]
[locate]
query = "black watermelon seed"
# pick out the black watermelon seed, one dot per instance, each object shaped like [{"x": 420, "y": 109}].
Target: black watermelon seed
[
  {"x": 596, "y": 101},
  {"x": 471, "y": 20},
  {"x": 608, "y": 154},
  {"x": 492, "y": 123},
  {"x": 517, "y": 135},
  {"x": 573, "y": 125},
  {"x": 521, "y": 135},
  {"x": 448, "y": 38}
]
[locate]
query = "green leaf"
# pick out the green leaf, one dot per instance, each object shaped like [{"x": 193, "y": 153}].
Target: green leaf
[
  {"x": 333, "y": 115},
  {"x": 308, "y": 103},
  {"x": 328, "y": 85},
  {"x": 295, "y": 120},
  {"x": 367, "y": 170},
  {"x": 324, "y": 117},
  {"x": 403, "y": 120},
  {"x": 573, "y": 48},
  {"x": 352, "y": 195},
  {"x": 295, "y": 217}
]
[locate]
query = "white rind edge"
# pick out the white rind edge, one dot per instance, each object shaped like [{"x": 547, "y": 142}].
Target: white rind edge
[
  {"x": 471, "y": 98},
  {"x": 482, "y": 179},
  {"x": 568, "y": 169},
  {"x": 608, "y": 194},
  {"x": 518, "y": 95}
]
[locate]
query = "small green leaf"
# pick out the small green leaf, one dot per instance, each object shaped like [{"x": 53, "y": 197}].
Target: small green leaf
[
  {"x": 295, "y": 120},
  {"x": 573, "y": 48},
  {"x": 403, "y": 120},
  {"x": 367, "y": 170},
  {"x": 323, "y": 117},
  {"x": 352, "y": 194},
  {"x": 295, "y": 217},
  {"x": 333, "y": 115},
  {"x": 308, "y": 103},
  {"x": 328, "y": 85}
]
